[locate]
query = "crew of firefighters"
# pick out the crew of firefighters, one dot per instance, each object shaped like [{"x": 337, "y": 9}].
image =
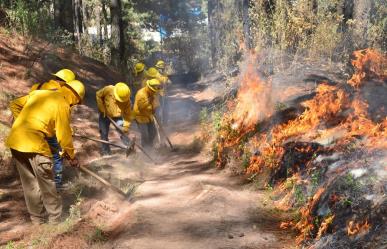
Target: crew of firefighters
[{"x": 41, "y": 136}]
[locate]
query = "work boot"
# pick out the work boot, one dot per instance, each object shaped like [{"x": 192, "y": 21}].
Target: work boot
[
  {"x": 62, "y": 187},
  {"x": 105, "y": 151},
  {"x": 36, "y": 220}
]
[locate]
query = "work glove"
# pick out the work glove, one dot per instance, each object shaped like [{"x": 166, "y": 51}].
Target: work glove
[
  {"x": 125, "y": 129},
  {"x": 74, "y": 163}
]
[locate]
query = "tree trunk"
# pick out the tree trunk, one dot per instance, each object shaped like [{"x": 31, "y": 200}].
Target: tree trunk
[
  {"x": 98, "y": 20},
  {"x": 57, "y": 13},
  {"x": 84, "y": 18},
  {"x": 246, "y": 23},
  {"x": 213, "y": 6},
  {"x": 78, "y": 23},
  {"x": 361, "y": 14},
  {"x": 67, "y": 15},
  {"x": 118, "y": 55},
  {"x": 105, "y": 21}
]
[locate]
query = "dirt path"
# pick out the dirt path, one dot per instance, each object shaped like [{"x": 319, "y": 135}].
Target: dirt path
[{"x": 183, "y": 202}]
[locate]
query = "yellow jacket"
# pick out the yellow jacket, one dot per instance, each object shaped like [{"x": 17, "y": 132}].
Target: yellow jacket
[
  {"x": 42, "y": 114},
  {"x": 108, "y": 104},
  {"x": 50, "y": 85},
  {"x": 144, "y": 105}
]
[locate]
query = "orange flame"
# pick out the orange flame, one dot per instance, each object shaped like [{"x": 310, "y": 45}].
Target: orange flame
[
  {"x": 354, "y": 228},
  {"x": 324, "y": 226},
  {"x": 368, "y": 63},
  {"x": 253, "y": 99},
  {"x": 323, "y": 107}
]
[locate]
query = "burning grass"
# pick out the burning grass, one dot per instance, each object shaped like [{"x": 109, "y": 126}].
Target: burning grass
[{"x": 288, "y": 149}]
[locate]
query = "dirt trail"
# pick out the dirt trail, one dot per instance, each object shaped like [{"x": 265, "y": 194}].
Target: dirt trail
[{"x": 183, "y": 202}]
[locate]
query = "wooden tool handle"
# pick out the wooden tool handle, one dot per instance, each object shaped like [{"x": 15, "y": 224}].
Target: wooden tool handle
[{"x": 103, "y": 181}]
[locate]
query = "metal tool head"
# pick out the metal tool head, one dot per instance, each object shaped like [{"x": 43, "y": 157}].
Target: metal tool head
[{"x": 129, "y": 145}]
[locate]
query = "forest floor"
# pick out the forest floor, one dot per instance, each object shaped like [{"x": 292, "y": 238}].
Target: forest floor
[{"x": 180, "y": 202}]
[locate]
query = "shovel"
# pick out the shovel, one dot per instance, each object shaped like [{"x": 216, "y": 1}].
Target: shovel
[
  {"x": 160, "y": 128},
  {"x": 126, "y": 140},
  {"x": 128, "y": 148},
  {"x": 103, "y": 181}
]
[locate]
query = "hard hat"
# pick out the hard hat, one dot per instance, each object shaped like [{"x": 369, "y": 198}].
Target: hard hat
[
  {"x": 65, "y": 74},
  {"x": 160, "y": 64},
  {"x": 121, "y": 92},
  {"x": 152, "y": 72},
  {"x": 154, "y": 85},
  {"x": 78, "y": 88},
  {"x": 139, "y": 67}
]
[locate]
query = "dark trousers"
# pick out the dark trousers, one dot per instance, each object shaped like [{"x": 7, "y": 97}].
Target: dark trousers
[
  {"x": 104, "y": 124},
  {"x": 57, "y": 160},
  {"x": 148, "y": 133}
]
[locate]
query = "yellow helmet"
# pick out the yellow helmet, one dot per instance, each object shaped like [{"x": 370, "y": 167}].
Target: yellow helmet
[
  {"x": 139, "y": 67},
  {"x": 160, "y": 64},
  {"x": 78, "y": 88},
  {"x": 152, "y": 72},
  {"x": 121, "y": 92},
  {"x": 65, "y": 74},
  {"x": 154, "y": 85}
]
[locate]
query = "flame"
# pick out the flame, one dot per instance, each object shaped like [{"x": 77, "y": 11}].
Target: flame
[
  {"x": 358, "y": 124},
  {"x": 252, "y": 104},
  {"x": 324, "y": 226},
  {"x": 323, "y": 107},
  {"x": 305, "y": 225},
  {"x": 253, "y": 99},
  {"x": 368, "y": 63},
  {"x": 354, "y": 228},
  {"x": 333, "y": 107}
]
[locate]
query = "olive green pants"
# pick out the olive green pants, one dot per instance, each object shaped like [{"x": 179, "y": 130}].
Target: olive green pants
[{"x": 40, "y": 193}]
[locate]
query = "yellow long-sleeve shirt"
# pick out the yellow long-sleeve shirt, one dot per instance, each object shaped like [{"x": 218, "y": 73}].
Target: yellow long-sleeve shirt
[
  {"x": 108, "y": 104},
  {"x": 145, "y": 105},
  {"x": 44, "y": 114}
]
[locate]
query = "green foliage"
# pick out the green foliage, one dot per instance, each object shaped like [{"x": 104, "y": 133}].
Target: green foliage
[
  {"x": 98, "y": 236},
  {"x": 316, "y": 178},
  {"x": 75, "y": 209},
  {"x": 299, "y": 195},
  {"x": 203, "y": 115},
  {"x": 314, "y": 29},
  {"x": 10, "y": 245},
  {"x": 217, "y": 120},
  {"x": 246, "y": 159},
  {"x": 351, "y": 183}
]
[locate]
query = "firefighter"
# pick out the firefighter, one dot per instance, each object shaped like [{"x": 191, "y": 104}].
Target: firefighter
[
  {"x": 45, "y": 113},
  {"x": 163, "y": 111},
  {"x": 138, "y": 78},
  {"x": 151, "y": 73},
  {"x": 144, "y": 108},
  {"x": 61, "y": 78},
  {"x": 113, "y": 102}
]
